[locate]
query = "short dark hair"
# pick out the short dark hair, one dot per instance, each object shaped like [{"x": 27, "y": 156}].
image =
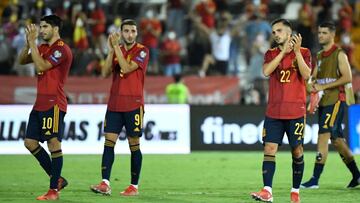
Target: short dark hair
[
  {"x": 177, "y": 77},
  {"x": 53, "y": 20},
  {"x": 283, "y": 21},
  {"x": 330, "y": 25},
  {"x": 128, "y": 22}
]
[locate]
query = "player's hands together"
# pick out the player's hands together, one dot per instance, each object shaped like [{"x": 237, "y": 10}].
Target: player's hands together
[
  {"x": 109, "y": 44},
  {"x": 288, "y": 47},
  {"x": 115, "y": 39},
  {"x": 296, "y": 42},
  {"x": 31, "y": 32}
]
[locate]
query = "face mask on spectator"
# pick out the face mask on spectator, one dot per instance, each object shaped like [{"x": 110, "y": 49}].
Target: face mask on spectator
[
  {"x": 91, "y": 6},
  {"x": 77, "y": 7},
  {"x": 66, "y": 4},
  {"x": 79, "y": 22},
  {"x": 171, "y": 35},
  {"x": 149, "y": 14}
]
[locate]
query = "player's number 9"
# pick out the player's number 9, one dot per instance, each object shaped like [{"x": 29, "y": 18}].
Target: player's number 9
[{"x": 137, "y": 119}]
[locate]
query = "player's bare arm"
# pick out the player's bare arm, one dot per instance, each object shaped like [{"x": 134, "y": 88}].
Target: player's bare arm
[
  {"x": 126, "y": 67},
  {"x": 305, "y": 70},
  {"x": 25, "y": 56},
  {"x": 106, "y": 69},
  {"x": 268, "y": 68},
  {"x": 345, "y": 72},
  {"x": 40, "y": 63}
]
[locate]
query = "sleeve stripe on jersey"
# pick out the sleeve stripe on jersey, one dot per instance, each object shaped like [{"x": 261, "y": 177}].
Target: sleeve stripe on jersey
[{"x": 334, "y": 113}]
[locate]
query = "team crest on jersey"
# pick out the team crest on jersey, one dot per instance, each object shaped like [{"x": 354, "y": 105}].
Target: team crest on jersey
[
  {"x": 142, "y": 54},
  {"x": 57, "y": 54}
]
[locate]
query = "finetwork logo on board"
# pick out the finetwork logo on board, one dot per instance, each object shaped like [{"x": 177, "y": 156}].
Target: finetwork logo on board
[{"x": 215, "y": 131}]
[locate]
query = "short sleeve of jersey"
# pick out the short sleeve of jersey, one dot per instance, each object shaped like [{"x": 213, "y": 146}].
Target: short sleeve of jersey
[
  {"x": 57, "y": 56},
  {"x": 268, "y": 57},
  {"x": 142, "y": 58},
  {"x": 307, "y": 57}
]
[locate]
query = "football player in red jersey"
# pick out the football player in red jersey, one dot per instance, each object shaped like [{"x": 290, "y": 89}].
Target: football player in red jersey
[
  {"x": 127, "y": 62},
  {"x": 288, "y": 66},
  {"x": 52, "y": 61}
]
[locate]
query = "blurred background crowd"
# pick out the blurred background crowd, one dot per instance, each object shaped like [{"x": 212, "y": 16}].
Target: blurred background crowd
[{"x": 188, "y": 37}]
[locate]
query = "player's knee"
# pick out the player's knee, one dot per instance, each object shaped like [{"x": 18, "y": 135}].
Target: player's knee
[
  {"x": 297, "y": 151},
  {"x": 30, "y": 144},
  {"x": 111, "y": 137},
  {"x": 336, "y": 142},
  {"x": 134, "y": 147},
  {"x": 109, "y": 143},
  {"x": 134, "y": 143},
  {"x": 54, "y": 144},
  {"x": 270, "y": 149}
]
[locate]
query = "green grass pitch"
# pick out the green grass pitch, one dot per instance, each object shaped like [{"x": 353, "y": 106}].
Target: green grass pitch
[{"x": 197, "y": 177}]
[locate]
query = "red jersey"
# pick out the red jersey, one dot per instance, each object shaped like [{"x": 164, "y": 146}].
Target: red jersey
[
  {"x": 127, "y": 91},
  {"x": 287, "y": 92},
  {"x": 50, "y": 85}
]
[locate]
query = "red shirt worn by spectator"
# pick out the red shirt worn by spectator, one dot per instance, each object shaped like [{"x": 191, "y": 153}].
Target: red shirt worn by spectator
[
  {"x": 126, "y": 92},
  {"x": 148, "y": 38},
  {"x": 172, "y": 50},
  {"x": 99, "y": 16},
  {"x": 287, "y": 94},
  {"x": 206, "y": 10},
  {"x": 50, "y": 85}
]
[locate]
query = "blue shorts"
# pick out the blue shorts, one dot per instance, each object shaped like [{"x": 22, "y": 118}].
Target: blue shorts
[
  {"x": 132, "y": 120},
  {"x": 274, "y": 130},
  {"x": 330, "y": 119},
  {"x": 44, "y": 125}
]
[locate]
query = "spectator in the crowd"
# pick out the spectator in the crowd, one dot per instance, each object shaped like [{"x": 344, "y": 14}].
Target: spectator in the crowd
[
  {"x": 170, "y": 52},
  {"x": 39, "y": 10},
  {"x": 115, "y": 26},
  {"x": 64, "y": 12},
  {"x": 206, "y": 10},
  {"x": 175, "y": 16},
  {"x": 256, "y": 76},
  {"x": 198, "y": 47},
  {"x": 80, "y": 39},
  {"x": 11, "y": 28},
  {"x": 17, "y": 44},
  {"x": 5, "y": 55},
  {"x": 97, "y": 20},
  {"x": 347, "y": 45},
  {"x": 12, "y": 10},
  {"x": 345, "y": 16},
  {"x": 220, "y": 39},
  {"x": 257, "y": 24},
  {"x": 151, "y": 29},
  {"x": 306, "y": 25},
  {"x": 177, "y": 92}
]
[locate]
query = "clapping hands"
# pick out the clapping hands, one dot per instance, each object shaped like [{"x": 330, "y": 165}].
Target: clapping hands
[{"x": 31, "y": 33}]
